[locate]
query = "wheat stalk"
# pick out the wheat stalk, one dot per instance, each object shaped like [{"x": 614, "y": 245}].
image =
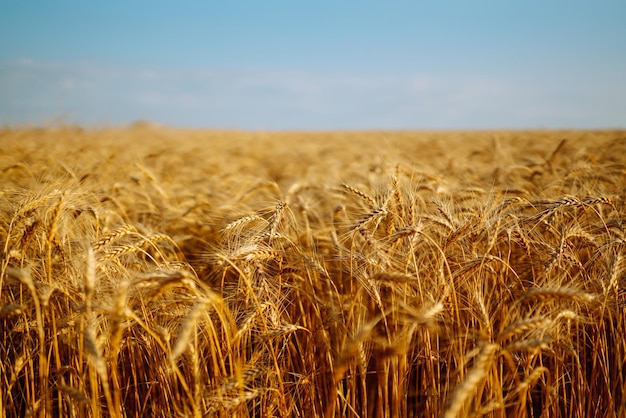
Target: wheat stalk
[{"x": 480, "y": 369}]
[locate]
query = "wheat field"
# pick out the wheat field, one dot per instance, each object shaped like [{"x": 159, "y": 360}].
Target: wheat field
[{"x": 148, "y": 271}]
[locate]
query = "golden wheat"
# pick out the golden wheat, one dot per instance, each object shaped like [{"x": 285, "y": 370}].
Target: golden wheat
[{"x": 236, "y": 274}]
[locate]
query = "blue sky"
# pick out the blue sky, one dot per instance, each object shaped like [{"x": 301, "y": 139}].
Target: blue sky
[{"x": 276, "y": 65}]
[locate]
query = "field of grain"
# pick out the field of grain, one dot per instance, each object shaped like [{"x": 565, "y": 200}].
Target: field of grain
[{"x": 147, "y": 271}]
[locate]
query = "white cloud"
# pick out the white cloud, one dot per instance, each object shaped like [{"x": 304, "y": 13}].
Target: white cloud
[{"x": 87, "y": 93}]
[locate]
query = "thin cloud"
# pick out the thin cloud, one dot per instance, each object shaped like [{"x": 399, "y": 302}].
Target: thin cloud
[{"x": 87, "y": 93}]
